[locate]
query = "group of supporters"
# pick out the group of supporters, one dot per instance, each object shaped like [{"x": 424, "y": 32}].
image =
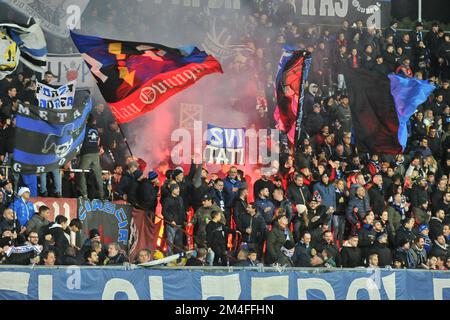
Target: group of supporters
[{"x": 328, "y": 206}]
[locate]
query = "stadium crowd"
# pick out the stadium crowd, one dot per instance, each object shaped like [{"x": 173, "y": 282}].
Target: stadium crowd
[{"x": 328, "y": 206}]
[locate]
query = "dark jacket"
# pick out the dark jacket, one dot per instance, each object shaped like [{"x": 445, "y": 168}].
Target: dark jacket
[
  {"x": 60, "y": 240},
  {"x": 173, "y": 210},
  {"x": 366, "y": 238},
  {"x": 363, "y": 206},
  {"x": 377, "y": 196},
  {"x": 418, "y": 196},
  {"x": 239, "y": 209},
  {"x": 129, "y": 186},
  {"x": 36, "y": 223},
  {"x": 302, "y": 255},
  {"x": 383, "y": 252},
  {"x": 276, "y": 238},
  {"x": 436, "y": 226},
  {"x": 148, "y": 195},
  {"x": 216, "y": 235},
  {"x": 294, "y": 194},
  {"x": 438, "y": 250},
  {"x": 200, "y": 221},
  {"x": 350, "y": 257},
  {"x": 331, "y": 248},
  {"x": 258, "y": 226},
  {"x": 402, "y": 234},
  {"x": 119, "y": 259}
]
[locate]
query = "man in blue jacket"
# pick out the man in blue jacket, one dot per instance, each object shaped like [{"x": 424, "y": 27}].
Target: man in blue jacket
[
  {"x": 327, "y": 192},
  {"x": 231, "y": 188},
  {"x": 22, "y": 206}
]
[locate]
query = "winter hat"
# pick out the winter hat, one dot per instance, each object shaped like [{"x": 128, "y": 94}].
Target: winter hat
[
  {"x": 381, "y": 235},
  {"x": 423, "y": 227},
  {"x": 93, "y": 233},
  {"x": 3, "y": 183},
  {"x": 179, "y": 168},
  {"x": 152, "y": 175},
  {"x": 23, "y": 190},
  {"x": 402, "y": 242},
  {"x": 177, "y": 172},
  {"x": 289, "y": 244}
]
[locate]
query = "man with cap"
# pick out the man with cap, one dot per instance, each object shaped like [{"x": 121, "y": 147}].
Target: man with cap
[
  {"x": 174, "y": 214},
  {"x": 22, "y": 206},
  {"x": 6, "y": 189},
  {"x": 185, "y": 184},
  {"x": 201, "y": 219},
  {"x": 380, "y": 248},
  {"x": 148, "y": 194},
  {"x": 423, "y": 232}
]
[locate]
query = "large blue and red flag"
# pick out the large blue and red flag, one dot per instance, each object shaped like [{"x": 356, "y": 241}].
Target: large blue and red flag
[
  {"x": 381, "y": 107},
  {"x": 134, "y": 78},
  {"x": 292, "y": 74}
]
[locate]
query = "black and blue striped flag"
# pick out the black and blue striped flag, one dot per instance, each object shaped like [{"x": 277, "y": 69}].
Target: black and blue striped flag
[{"x": 47, "y": 139}]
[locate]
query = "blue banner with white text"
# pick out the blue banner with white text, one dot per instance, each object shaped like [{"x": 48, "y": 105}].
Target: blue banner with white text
[{"x": 77, "y": 283}]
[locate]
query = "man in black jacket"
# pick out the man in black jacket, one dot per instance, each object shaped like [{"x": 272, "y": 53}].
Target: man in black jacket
[
  {"x": 128, "y": 186},
  {"x": 174, "y": 215},
  {"x": 436, "y": 224},
  {"x": 148, "y": 194},
  {"x": 405, "y": 232},
  {"x": 377, "y": 195},
  {"x": 253, "y": 228},
  {"x": 298, "y": 193},
  {"x": 115, "y": 257},
  {"x": 380, "y": 248},
  {"x": 327, "y": 244},
  {"x": 264, "y": 182},
  {"x": 216, "y": 235},
  {"x": 350, "y": 256},
  {"x": 59, "y": 237},
  {"x": 240, "y": 205}
]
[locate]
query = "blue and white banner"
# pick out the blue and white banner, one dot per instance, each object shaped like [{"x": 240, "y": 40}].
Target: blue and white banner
[
  {"x": 75, "y": 283},
  {"x": 55, "y": 98},
  {"x": 225, "y": 145}
]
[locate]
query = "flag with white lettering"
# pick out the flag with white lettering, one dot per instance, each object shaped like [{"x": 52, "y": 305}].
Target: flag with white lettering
[
  {"x": 46, "y": 139},
  {"x": 135, "y": 78},
  {"x": 55, "y": 98},
  {"x": 225, "y": 145}
]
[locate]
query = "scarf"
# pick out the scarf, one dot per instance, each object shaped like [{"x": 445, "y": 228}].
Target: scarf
[{"x": 23, "y": 249}]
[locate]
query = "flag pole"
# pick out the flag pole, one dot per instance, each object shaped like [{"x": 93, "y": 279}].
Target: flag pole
[
  {"x": 300, "y": 107},
  {"x": 125, "y": 139}
]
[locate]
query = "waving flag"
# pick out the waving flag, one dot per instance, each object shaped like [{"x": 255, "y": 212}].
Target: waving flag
[
  {"x": 290, "y": 83},
  {"x": 47, "y": 139},
  {"x": 134, "y": 78},
  {"x": 25, "y": 43},
  {"x": 408, "y": 93},
  {"x": 381, "y": 107}
]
